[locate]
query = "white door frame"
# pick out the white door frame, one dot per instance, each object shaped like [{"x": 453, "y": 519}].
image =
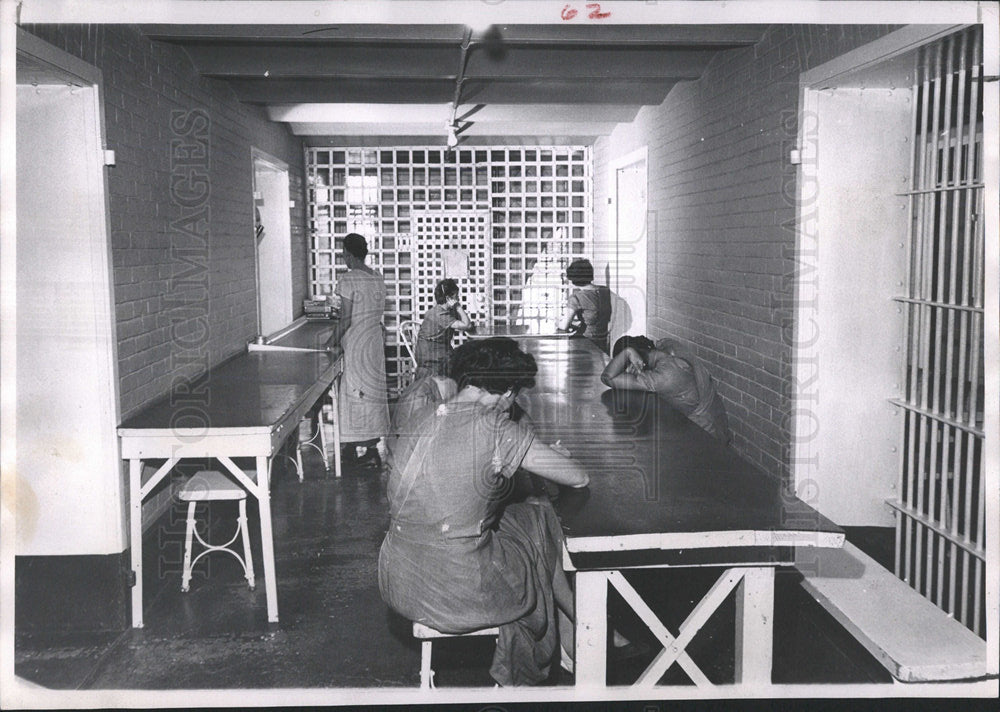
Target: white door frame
[
  {"x": 87, "y": 324},
  {"x": 274, "y": 294},
  {"x": 635, "y": 292}
]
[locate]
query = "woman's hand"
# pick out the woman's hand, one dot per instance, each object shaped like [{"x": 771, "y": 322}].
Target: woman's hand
[
  {"x": 635, "y": 360},
  {"x": 550, "y": 463},
  {"x": 560, "y": 448}
]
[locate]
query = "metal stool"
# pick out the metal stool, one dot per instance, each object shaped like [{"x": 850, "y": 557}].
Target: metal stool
[
  {"x": 327, "y": 413},
  {"x": 208, "y": 486},
  {"x": 427, "y": 635}
]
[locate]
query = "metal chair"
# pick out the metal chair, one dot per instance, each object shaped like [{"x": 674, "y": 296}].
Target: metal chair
[{"x": 407, "y": 334}]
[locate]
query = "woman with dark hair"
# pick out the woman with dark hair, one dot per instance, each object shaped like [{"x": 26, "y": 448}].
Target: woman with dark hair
[
  {"x": 672, "y": 372},
  {"x": 588, "y": 309},
  {"x": 364, "y": 409},
  {"x": 459, "y": 555},
  {"x": 437, "y": 329}
]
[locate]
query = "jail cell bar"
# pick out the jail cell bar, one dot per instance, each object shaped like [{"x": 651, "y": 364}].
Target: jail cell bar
[
  {"x": 940, "y": 530},
  {"x": 538, "y": 200}
]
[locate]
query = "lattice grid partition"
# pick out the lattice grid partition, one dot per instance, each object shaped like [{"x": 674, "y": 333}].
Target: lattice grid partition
[
  {"x": 466, "y": 235},
  {"x": 536, "y": 203}
]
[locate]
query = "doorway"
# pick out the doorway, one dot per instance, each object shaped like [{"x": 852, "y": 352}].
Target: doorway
[
  {"x": 66, "y": 378},
  {"x": 628, "y": 278},
  {"x": 272, "y": 232}
]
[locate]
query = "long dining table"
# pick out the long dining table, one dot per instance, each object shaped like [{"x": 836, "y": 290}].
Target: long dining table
[
  {"x": 663, "y": 494},
  {"x": 245, "y": 407}
]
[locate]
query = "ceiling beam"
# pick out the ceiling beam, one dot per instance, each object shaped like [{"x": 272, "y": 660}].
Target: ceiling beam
[
  {"x": 548, "y": 35},
  {"x": 464, "y": 141},
  {"x": 234, "y": 60},
  {"x": 431, "y": 91},
  {"x": 486, "y": 128},
  {"x": 477, "y": 113}
]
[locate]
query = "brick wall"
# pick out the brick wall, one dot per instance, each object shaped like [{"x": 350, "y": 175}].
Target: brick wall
[
  {"x": 183, "y": 258},
  {"x": 721, "y": 227}
]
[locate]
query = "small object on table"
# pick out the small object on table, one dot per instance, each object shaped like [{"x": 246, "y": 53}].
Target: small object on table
[{"x": 318, "y": 308}]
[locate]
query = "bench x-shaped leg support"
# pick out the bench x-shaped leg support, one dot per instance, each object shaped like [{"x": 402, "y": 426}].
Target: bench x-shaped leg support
[{"x": 754, "y": 618}]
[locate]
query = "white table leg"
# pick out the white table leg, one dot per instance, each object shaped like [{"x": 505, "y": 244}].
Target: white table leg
[
  {"x": 335, "y": 391},
  {"x": 267, "y": 537},
  {"x": 755, "y": 626},
  {"x": 135, "y": 536},
  {"x": 590, "y": 659}
]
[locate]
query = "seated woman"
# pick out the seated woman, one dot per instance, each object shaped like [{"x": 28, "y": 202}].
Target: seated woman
[
  {"x": 459, "y": 556},
  {"x": 588, "y": 309},
  {"x": 673, "y": 373},
  {"x": 437, "y": 329}
]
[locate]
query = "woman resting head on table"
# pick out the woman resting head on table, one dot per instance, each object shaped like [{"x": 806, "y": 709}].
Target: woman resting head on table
[
  {"x": 674, "y": 374},
  {"x": 458, "y": 555}
]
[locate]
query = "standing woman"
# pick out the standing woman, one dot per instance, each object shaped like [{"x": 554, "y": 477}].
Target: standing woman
[
  {"x": 437, "y": 329},
  {"x": 364, "y": 410}
]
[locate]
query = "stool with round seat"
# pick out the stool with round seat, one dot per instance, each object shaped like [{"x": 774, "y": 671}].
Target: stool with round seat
[{"x": 213, "y": 486}]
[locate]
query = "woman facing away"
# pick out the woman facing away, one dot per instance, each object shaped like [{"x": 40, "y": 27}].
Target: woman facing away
[
  {"x": 364, "y": 409},
  {"x": 439, "y": 325},
  {"x": 673, "y": 373},
  {"x": 458, "y": 555},
  {"x": 588, "y": 309}
]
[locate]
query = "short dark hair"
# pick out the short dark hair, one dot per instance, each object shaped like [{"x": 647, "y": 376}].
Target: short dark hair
[
  {"x": 356, "y": 245},
  {"x": 640, "y": 343},
  {"x": 444, "y": 289},
  {"x": 496, "y": 365},
  {"x": 580, "y": 272}
]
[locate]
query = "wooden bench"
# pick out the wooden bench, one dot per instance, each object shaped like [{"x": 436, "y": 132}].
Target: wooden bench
[{"x": 914, "y": 639}]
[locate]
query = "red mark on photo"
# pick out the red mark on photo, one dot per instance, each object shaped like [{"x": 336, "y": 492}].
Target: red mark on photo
[
  {"x": 595, "y": 11},
  {"x": 568, "y": 13}
]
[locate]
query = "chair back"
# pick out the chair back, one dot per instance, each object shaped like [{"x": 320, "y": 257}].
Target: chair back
[
  {"x": 408, "y": 331},
  {"x": 407, "y": 336}
]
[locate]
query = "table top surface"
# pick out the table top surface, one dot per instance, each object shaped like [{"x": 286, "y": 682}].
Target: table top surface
[
  {"x": 309, "y": 334},
  {"x": 252, "y": 389},
  {"x": 514, "y": 331},
  {"x": 653, "y": 472}
]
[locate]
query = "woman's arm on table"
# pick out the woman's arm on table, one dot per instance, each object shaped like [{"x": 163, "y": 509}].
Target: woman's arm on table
[
  {"x": 616, "y": 375},
  {"x": 552, "y": 465}
]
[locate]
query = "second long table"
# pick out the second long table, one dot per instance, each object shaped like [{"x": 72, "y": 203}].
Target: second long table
[{"x": 663, "y": 494}]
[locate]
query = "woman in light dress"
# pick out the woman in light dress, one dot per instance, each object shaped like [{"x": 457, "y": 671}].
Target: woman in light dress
[{"x": 364, "y": 410}]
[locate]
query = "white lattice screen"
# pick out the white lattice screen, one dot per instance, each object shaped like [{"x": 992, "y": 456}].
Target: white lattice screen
[
  {"x": 536, "y": 208},
  {"x": 466, "y": 235}
]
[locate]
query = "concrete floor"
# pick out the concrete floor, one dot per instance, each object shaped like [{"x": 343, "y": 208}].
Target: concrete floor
[{"x": 335, "y": 631}]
